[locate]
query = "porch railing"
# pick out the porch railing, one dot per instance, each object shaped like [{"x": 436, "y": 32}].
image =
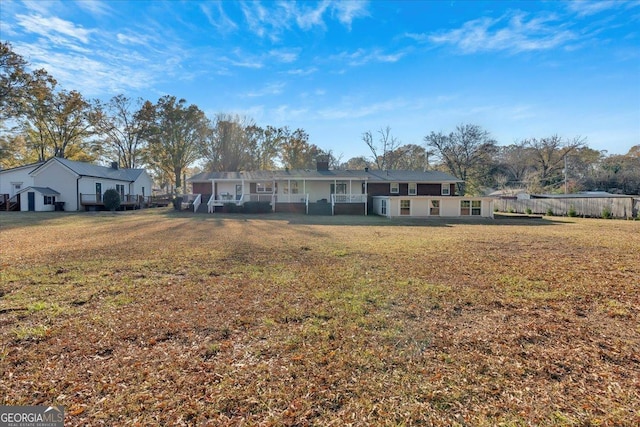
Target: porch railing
[
  {"x": 197, "y": 202},
  {"x": 348, "y": 198}
]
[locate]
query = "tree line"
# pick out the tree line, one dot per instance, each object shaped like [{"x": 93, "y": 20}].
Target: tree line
[{"x": 39, "y": 120}]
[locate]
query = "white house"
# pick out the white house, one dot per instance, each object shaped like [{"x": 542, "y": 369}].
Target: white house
[
  {"x": 71, "y": 186},
  {"x": 392, "y": 193}
]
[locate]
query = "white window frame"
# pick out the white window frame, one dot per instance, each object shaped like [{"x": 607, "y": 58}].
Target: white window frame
[
  {"x": 383, "y": 207},
  {"x": 445, "y": 190},
  {"x": 413, "y": 188},
  {"x": 394, "y": 188},
  {"x": 434, "y": 207},
  {"x": 400, "y": 206},
  {"x": 264, "y": 187}
]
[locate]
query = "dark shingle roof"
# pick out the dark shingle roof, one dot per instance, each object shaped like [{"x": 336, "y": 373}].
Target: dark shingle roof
[
  {"x": 89, "y": 169},
  {"x": 371, "y": 175},
  {"x": 42, "y": 190}
]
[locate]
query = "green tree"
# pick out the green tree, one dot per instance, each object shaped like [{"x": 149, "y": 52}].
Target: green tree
[
  {"x": 175, "y": 133},
  {"x": 296, "y": 152},
  {"x": 57, "y": 123},
  {"x": 14, "y": 82}
]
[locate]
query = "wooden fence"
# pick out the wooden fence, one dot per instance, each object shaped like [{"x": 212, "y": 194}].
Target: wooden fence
[{"x": 618, "y": 207}]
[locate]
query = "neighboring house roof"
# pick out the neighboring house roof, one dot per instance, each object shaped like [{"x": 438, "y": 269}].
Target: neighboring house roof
[
  {"x": 96, "y": 171},
  {"x": 30, "y": 165},
  {"x": 370, "y": 175},
  {"x": 42, "y": 190},
  {"x": 582, "y": 195}
]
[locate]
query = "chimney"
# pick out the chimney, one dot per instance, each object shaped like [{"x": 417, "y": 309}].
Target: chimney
[
  {"x": 322, "y": 166},
  {"x": 114, "y": 165},
  {"x": 366, "y": 168}
]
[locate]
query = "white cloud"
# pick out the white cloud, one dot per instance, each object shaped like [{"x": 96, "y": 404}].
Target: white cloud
[
  {"x": 348, "y": 11},
  {"x": 302, "y": 71},
  {"x": 95, "y": 7},
  {"x": 589, "y": 7},
  {"x": 53, "y": 27},
  {"x": 363, "y": 57},
  {"x": 270, "y": 89},
  {"x": 284, "y": 15},
  {"x": 513, "y": 33},
  {"x": 364, "y": 110},
  {"x": 218, "y": 18},
  {"x": 285, "y": 55}
]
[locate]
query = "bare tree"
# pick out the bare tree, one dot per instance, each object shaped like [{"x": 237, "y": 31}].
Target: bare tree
[
  {"x": 229, "y": 145},
  {"x": 122, "y": 129},
  {"x": 549, "y": 155},
  {"x": 382, "y": 149},
  {"x": 466, "y": 153}
]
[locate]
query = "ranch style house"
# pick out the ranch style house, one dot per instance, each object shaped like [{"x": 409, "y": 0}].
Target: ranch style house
[
  {"x": 392, "y": 193},
  {"x": 62, "y": 184}
]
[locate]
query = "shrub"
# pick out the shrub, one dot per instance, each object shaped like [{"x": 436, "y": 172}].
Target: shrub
[
  {"x": 111, "y": 199},
  {"x": 511, "y": 210},
  {"x": 257, "y": 207},
  {"x": 572, "y": 211},
  {"x": 606, "y": 213},
  {"x": 549, "y": 212},
  {"x": 528, "y": 211}
]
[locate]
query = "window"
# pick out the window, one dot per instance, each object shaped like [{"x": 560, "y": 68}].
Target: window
[
  {"x": 395, "y": 188},
  {"x": 471, "y": 207},
  {"x": 294, "y": 187},
  {"x": 120, "y": 190},
  {"x": 383, "y": 207},
  {"x": 405, "y": 207},
  {"x": 339, "y": 188},
  {"x": 264, "y": 187},
  {"x": 476, "y": 207},
  {"x": 434, "y": 209},
  {"x": 413, "y": 189},
  {"x": 49, "y": 200},
  {"x": 445, "y": 190}
]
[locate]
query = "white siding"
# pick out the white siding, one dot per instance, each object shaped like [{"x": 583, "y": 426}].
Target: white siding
[
  {"x": 15, "y": 176},
  {"x": 144, "y": 180},
  {"x": 61, "y": 179},
  {"x": 420, "y": 205}
]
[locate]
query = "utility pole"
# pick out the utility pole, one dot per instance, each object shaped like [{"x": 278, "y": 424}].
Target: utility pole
[{"x": 565, "y": 173}]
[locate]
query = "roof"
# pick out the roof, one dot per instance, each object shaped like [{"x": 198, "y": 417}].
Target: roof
[
  {"x": 369, "y": 175},
  {"x": 582, "y": 195},
  {"x": 89, "y": 169},
  {"x": 30, "y": 165},
  {"x": 42, "y": 190}
]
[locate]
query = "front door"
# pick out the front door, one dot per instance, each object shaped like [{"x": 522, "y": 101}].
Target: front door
[
  {"x": 238, "y": 191},
  {"x": 98, "y": 192},
  {"x": 31, "y": 197}
]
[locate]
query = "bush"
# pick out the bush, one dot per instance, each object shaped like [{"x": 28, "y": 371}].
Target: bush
[
  {"x": 572, "y": 211},
  {"x": 549, "y": 212},
  {"x": 528, "y": 211},
  {"x": 111, "y": 199},
  {"x": 257, "y": 207},
  {"x": 606, "y": 213}
]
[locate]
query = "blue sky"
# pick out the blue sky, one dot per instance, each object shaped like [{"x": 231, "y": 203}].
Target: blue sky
[{"x": 519, "y": 69}]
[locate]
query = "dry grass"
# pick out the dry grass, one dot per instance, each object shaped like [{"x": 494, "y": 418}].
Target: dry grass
[{"x": 161, "y": 318}]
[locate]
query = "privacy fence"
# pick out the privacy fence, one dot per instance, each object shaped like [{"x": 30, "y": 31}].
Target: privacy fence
[{"x": 618, "y": 207}]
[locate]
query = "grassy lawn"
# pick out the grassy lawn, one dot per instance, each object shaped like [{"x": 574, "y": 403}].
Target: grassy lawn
[{"x": 161, "y": 318}]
